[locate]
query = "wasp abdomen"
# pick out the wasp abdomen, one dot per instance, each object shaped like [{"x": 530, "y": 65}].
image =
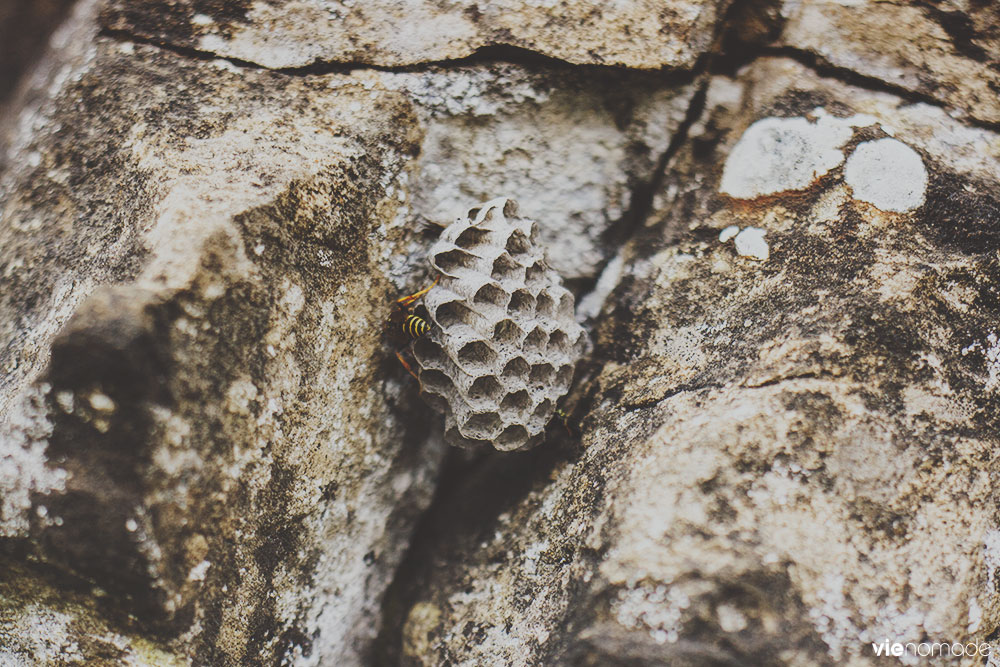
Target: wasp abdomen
[{"x": 415, "y": 326}]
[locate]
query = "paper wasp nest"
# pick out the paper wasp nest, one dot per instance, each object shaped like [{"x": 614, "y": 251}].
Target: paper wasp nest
[{"x": 503, "y": 340}]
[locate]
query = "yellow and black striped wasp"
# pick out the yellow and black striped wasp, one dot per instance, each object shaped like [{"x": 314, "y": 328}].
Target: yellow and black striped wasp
[{"x": 413, "y": 326}]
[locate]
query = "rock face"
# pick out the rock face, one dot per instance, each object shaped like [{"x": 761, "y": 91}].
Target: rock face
[
  {"x": 201, "y": 414},
  {"x": 948, "y": 51},
  {"x": 783, "y": 442},
  {"x": 642, "y": 34},
  {"x": 771, "y": 449},
  {"x": 222, "y": 452}
]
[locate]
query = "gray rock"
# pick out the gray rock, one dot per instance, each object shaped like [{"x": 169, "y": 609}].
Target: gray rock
[
  {"x": 199, "y": 407},
  {"x": 949, "y": 51},
  {"x": 574, "y": 145},
  {"x": 641, "y": 34},
  {"x": 52, "y": 620},
  {"x": 195, "y": 283},
  {"x": 784, "y": 442},
  {"x": 787, "y": 457}
]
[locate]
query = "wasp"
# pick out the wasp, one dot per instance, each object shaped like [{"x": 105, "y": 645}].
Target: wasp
[{"x": 413, "y": 325}]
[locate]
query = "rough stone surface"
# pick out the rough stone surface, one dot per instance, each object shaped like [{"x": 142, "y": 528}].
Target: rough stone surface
[
  {"x": 503, "y": 342},
  {"x": 782, "y": 461},
  {"x": 197, "y": 274},
  {"x": 47, "y": 620},
  {"x": 573, "y": 144},
  {"x": 947, "y": 50},
  {"x": 642, "y": 34},
  {"x": 24, "y": 28},
  {"x": 200, "y": 409},
  {"x": 781, "y": 452}
]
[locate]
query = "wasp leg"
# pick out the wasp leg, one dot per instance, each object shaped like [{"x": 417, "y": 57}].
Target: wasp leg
[
  {"x": 407, "y": 300},
  {"x": 409, "y": 370}
]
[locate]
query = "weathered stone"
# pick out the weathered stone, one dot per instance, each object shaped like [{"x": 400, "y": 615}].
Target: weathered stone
[
  {"x": 947, "y": 50},
  {"x": 786, "y": 457},
  {"x": 24, "y": 28},
  {"x": 225, "y": 454},
  {"x": 572, "y": 145},
  {"x": 641, "y": 34},
  {"x": 200, "y": 409},
  {"x": 46, "y": 621}
]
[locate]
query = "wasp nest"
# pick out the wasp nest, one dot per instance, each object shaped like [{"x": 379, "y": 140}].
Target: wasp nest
[{"x": 504, "y": 341}]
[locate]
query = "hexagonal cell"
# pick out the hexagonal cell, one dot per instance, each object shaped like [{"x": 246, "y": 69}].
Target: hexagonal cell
[
  {"x": 564, "y": 376},
  {"x": 428, "y": 352},
  {"x": 507, "y": 331},
  {"x": 477, "y": 353},
  {"x": 484, "y": 388},
  {"x": 482, "y": 425},
  {"x": 454, "y": 312},
  {"x": 566, "y": 308},
  {"x": 505, "y": 268},
  {"x": 472, "y": 236},
  {"x": 516, "y": 368},
  {"x": 545, "y": 305},
  {"x": 455, "y": 437},
  {"x": 518, "y": 401},
  {"x": 437, "y": 401},
  {"x": 518, "y": 243},
  {"x": 447, "y": 262},
  {"x": 492, "y": 294},
  {"x": 541, "y": 374},
  {"x": 558, "y": 342},
  {"x": 512, "y": 437},
  {"x": 535, "y": 341},
  {"x": 543, "y": 410},
  {"x": 534, "y": 275},
  {"x": 435, "y": 381},
  {"x": 522, "y": 302}
]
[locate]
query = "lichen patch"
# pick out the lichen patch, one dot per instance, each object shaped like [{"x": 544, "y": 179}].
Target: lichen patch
[
  {"x": 887, "y": 174},
  {"x": 781, "y": 154}
]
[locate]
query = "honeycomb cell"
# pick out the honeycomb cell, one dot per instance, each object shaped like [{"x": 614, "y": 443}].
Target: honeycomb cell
[
  {"x": 535, "y": 341},
  {"x": 518, "y": 401},
  {"x": 545, "y": 305},
  {"x": 517, "y": 368},
  {"x": 485, "y": 387},
  {"x": 448, "y": 262},
  {"x": 492, "y": 294},
  {"x": 482, "y": 425},
  {"x": 534, "y": 275},
  {"x": 558, "y": 342},
  {"x": 505, "y": 268},
  {"x": 521, "y": 302},
  {"x": 507, "y": 331},
  {"x": 511, "y": 437},
  {"x": 477, "y": 354},
  {"x": 451, "y": 313},
  {"x": 541, "y": 374},
  {"x": 472, "y": 237},
  {"x": 496, "y": 384},
  {"x": 518, "y": 243}
]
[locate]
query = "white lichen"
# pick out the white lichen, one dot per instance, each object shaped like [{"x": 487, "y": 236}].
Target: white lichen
[
  {"x": 887, "y": 174},
  {"x": 728, "y": 233},
  {"x": 780, "y": 154},
  {"x": 750, "y": 243}
]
